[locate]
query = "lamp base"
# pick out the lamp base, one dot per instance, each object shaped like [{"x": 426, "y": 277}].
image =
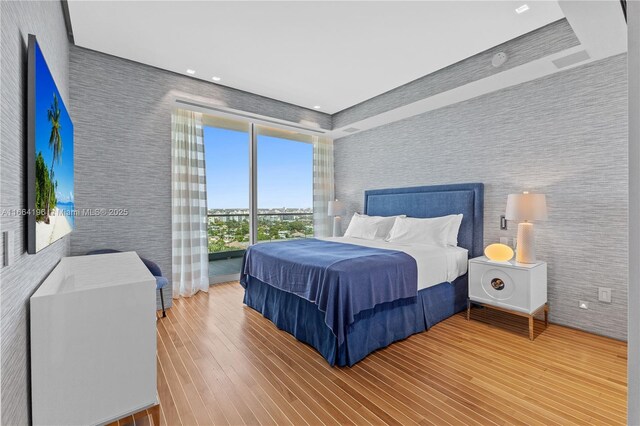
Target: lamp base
[
  {"x": 337, "y": 226},
  {"x": 526, "y": 245}
]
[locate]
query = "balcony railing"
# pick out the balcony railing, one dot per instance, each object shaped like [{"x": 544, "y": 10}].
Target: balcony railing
[
  {"x": 260, "y": 214},
  {"x": 228, "y": 233}
]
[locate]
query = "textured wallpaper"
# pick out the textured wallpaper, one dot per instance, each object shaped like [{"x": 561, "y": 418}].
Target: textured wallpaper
[
  {"x": 26, "y": 273},
  {"x": 123, "y": 148},
  {"x": 564, "y": 135},
  {"x": 551, "y": 38}
]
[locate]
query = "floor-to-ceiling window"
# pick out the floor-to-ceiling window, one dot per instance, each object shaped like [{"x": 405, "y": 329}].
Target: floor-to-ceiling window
[
  {"x": 259, "y": 189},
  {"x": 284, "y": 184},
  {"x": 227, "y": 145}
]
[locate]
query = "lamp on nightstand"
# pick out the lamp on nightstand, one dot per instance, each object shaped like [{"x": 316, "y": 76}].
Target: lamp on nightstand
[
  {"x": 526, "y": 208},
  {"x": 336, "y": 209}
]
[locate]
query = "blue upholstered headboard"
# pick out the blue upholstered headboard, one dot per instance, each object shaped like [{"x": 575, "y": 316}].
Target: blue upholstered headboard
[{"x": 434, "y": 201}]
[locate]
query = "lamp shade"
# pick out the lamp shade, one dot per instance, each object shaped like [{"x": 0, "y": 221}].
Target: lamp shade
[
  {"x": 336, "y": 208},
  {"x": 526, "y": 207}
]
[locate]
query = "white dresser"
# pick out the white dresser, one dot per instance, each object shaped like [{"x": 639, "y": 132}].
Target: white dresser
[
  {"x": 519, "y": 288},
  {"x": 93, "y": 341}
]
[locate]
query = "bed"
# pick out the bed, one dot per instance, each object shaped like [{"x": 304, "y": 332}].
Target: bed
[{"x": 348, "y": 315}]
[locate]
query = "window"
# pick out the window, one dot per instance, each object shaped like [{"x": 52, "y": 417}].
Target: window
[
  {"x": 259, "y": 189},
  {"x": 285, "y": 186},
  {"x": 226, "y": 149}
]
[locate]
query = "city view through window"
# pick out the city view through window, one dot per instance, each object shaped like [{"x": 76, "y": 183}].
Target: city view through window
[{"x": 284, "y": 189}]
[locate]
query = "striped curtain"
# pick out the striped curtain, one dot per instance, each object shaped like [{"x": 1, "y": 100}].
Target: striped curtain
[
  {"x": 323, "y": 190},
  {"x": 188, "y": 205}
]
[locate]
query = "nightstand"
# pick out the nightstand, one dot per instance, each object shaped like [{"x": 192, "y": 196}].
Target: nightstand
[{"x": 518, "y": 288}]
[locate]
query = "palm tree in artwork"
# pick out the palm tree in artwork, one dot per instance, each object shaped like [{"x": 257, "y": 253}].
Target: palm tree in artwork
[{"x": 55, "y": 143}]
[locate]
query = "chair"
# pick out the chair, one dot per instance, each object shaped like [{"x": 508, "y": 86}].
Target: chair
[{"x": 161, "y": 281}]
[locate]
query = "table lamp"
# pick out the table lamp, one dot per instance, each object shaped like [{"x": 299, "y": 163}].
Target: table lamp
[
  {"x": 526, "y": 208},
  {"x": 336, "y": 209},
  {"x": 498, "y": 252}
]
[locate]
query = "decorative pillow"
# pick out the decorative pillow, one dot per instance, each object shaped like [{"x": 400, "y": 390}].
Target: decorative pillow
[
  {"x": 370, "y": 227},
  {"x": 436, "y": 230}
]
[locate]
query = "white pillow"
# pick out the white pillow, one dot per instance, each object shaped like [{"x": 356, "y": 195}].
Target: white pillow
[
  {"x": 454, "y": 229},
  {"x": 359, "y": 227},
  {"x": 370, "y": 227},
  {"x": 384, "y": 224},
  {"x": 435, "y": 230}
]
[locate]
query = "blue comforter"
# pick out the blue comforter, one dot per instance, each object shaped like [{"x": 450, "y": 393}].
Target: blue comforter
[{"x": 341, "y": 279}]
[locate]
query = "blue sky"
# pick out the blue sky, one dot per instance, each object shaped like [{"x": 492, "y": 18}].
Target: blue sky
[
  {"x": 63, "y": 170},
  {"x": 285, "y": 171}
]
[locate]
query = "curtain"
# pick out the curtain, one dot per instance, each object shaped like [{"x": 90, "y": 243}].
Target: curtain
[
  {"x": 323, "y": 190},
  {"x": 190, "y": 258}
]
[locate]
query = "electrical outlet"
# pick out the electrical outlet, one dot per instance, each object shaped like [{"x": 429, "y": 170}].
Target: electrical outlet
[
  {"x": 604, "y": 294},
  {"x": 583, "y": 305}
]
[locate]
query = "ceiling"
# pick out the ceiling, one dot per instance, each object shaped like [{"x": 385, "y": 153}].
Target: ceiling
[{"x": 327, "y": 54}]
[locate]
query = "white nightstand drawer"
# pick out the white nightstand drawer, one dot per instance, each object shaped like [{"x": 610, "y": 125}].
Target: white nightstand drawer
[{"x": 517, "y": 287}]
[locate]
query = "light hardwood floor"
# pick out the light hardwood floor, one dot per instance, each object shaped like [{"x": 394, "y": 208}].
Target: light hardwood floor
[{"x": 220, "y": 362}]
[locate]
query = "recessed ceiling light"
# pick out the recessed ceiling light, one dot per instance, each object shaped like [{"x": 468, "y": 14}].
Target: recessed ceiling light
[
  {"x": 190, "y": 71},
  {"x": 522, "y": 9},
  {"x": 317, "y": 107},
  {"x": 216, "y": 78}
]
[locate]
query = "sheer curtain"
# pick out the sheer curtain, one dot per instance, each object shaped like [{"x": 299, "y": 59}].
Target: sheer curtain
[
  {"x": 323, "y": 190},
  {"x": 190, "y": 257}
]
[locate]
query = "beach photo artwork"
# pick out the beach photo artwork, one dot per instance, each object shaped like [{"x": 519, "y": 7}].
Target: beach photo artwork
[{"x": 54, "y": 203}]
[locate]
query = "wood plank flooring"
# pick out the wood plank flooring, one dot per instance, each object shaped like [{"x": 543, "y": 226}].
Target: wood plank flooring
[{"x": 220, "y": 362}]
